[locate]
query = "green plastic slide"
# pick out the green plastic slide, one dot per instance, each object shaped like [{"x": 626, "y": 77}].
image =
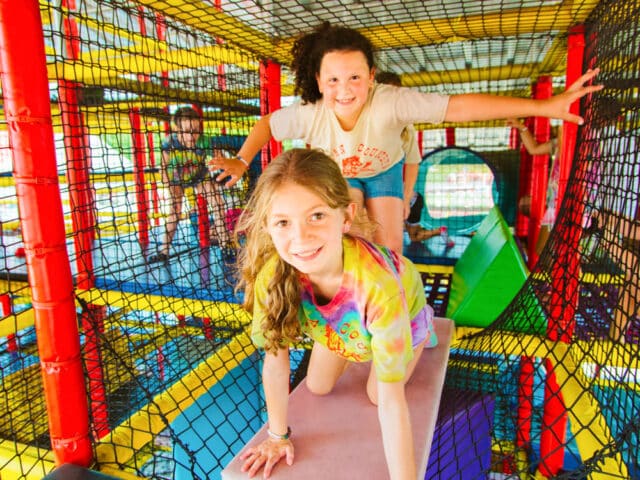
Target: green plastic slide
[{"x": 488, "y": 275}]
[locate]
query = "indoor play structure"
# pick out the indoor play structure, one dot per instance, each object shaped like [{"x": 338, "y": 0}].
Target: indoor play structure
[{"x": 139, "y": 369}]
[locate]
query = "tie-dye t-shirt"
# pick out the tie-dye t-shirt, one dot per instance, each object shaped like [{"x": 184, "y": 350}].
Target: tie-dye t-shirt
[
  {"x": 379, "y": 313},
  {"x": 187, "y": 166}
]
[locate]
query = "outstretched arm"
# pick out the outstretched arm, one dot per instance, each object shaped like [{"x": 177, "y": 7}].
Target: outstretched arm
[
  {"x": 234, "y": 168},
  {"x": 528, "y": 140},
  {"x": 478, "y": 106},
  {"x": 397, "y": 437},
  {"x": 275, "y": 380}
]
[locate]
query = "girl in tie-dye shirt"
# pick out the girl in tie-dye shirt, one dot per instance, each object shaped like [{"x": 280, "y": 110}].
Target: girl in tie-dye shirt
[
  {"x": 304, "y": 275},
  {"x": 378, "y": 314}
]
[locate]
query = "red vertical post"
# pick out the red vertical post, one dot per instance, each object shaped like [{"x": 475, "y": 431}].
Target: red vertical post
[
  {"x": 222, "y": 78},
  {"x": 421, "y": 142},
  {"x": 161, "y": 29},
  {"x": 270, "y": 93},
  {"x": 139, "y": 163},
  {"x": 153, "y": 190},
  {"x": 83, "y": 221},
  {"x": 7, "y": 309},
  {"x": 80, "y": 195},
  {"x": 539, "y": 172},
  {"x": 161, "y": 32},
  {"x": 565, "y": 278},
  {"x": 450, "y": 133},
  {"x": 554, "y": 426},
  {"x": 525, "y": 402},
  {"x": 514, "y": 139},
  {"x": 566, "y": 272},
  {"x": 525, "y": 380},
  {"x": 27, "y": 110},
  {"x": 203, "y": 221},
  {"x": 575, "y": 54},
  {"x": 524, "y": 189},
  {"x": 155, "y": 198},
  {"x": 202, "y": 206},
  {"x": 93, "y": 328},
  {"x": 77, "y": 153},
  {"x": 142, "y": 77}
]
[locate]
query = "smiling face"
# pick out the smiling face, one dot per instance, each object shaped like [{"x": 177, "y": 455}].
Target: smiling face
[
  {"x": 307, "y": 232},
  {"x": 344, "y": 81}
]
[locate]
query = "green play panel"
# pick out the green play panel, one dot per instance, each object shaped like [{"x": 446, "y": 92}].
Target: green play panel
[{"x": 487, "y": 277}]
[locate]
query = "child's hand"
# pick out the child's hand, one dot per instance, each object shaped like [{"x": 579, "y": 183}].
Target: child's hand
[
  {"x": 268, "y": 453},
  {"x": 514, "y": 123},
  {"x": 230, "y": 169},
  {"x": 559, "y": 104}
]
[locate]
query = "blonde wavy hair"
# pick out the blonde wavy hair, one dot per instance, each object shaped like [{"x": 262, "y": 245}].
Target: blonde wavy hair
[{"x": 310, "y": 169}]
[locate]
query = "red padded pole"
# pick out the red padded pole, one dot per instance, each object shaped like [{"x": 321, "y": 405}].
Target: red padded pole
[
  {"x": 565, "y": 278},
  {"x": 539, "y": 172},
  {"x": 139, "y": 164},
  {"x": 27, "y": 109},
  {"x": 270, "y": 92},
  {"x": 450, "y": 133}
]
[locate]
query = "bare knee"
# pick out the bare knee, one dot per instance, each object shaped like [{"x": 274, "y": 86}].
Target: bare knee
[
  {"x": 318, "y": 387},
  {"x": 372, "y": 386},
  {"x": 325, "y": 368},
  {"x": 372, "y": 393}
]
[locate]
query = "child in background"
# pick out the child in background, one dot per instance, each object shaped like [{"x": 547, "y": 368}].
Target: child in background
[
  {"x": 303, "y": 274},
  {"x": 551, "y": 148},
  {"x": 417, "y": 233},
  {"x": 359, "y": 123},
  {"x": 184, "y": 165},
  {"x": 622, "y": 241}
]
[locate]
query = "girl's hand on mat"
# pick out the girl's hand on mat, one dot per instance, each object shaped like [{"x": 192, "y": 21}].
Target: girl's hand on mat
[{"x": 266, "y": 454}]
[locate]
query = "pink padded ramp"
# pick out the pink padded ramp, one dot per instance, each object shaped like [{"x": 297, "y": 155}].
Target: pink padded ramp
[{"x": 338, "y": 437}]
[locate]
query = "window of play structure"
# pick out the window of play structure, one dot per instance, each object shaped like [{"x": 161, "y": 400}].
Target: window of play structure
[{"x": 459, "y": 189}]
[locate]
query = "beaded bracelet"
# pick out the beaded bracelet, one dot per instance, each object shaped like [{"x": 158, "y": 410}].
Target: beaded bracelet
[
  {"x": 246, "y": 164},
  {"x": 275, "y": 436}
]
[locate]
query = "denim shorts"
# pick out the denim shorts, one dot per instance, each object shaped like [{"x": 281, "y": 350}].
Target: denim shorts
[{"x": 386, "y": 184}]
